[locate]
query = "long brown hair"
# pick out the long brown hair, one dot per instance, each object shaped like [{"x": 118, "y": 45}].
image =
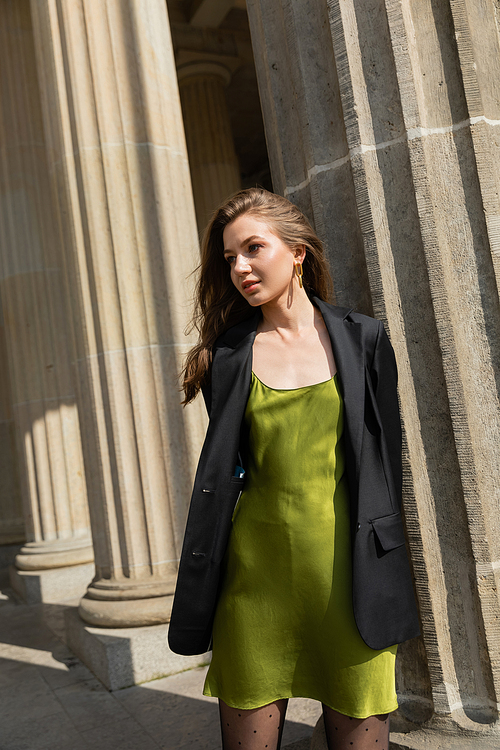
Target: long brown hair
[{"x": 218, "y": 304}]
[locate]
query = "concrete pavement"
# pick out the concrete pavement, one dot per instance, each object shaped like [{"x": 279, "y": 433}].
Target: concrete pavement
[{"x": 50, "y": 701}]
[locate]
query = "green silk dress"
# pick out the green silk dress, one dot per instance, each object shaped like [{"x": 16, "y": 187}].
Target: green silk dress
[{"x": 284, "y": 623}]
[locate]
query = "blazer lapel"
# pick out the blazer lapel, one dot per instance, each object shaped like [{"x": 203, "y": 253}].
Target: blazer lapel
[
  {"x": 232, "y": 367},
  {"x": 345, "y": 336},
  {"x": 231, "y": 370}
]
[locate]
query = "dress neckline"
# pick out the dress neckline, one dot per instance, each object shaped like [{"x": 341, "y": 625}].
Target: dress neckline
[{"x": 300, "y": 388}]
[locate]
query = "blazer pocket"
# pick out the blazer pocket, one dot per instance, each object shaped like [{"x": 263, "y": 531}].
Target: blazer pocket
[
  {"x": 389, "y": 531},
  {"x": 238, "y": 481}
]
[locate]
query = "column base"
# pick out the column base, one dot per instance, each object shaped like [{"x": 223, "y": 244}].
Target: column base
[
  {"x": 126, "y": 613},
  {"x": 52, "y": 585},
  {"x": 57, "y": 554},
  {"x": 424, "y": 739},
  {"x": 123, "y": 657},
  {"x": 434, "y": 740},
  {"x": 112, "y": 603}
]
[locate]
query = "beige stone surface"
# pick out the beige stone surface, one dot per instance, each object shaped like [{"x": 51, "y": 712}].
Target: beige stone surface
[
  {"x": 212, "y": 158},
  {"x": 48, "y": 555},
  {"x": 121, "y": 187},
  {"x": 34, "y": 305}
]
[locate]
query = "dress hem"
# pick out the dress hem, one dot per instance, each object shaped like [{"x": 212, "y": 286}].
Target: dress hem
[{"x": 355, "y": 715}]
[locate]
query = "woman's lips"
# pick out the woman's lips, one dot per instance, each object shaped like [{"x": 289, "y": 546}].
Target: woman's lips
[{"x": 249, "y": 286}]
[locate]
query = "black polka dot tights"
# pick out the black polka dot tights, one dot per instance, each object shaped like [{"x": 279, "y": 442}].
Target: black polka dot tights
[
  {"x": 254, "y": 729},
  {"x": 345, "y": 733},
  {"x": 261, "y": 729}
]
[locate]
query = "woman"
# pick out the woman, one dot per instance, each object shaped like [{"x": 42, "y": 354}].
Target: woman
[{"x": 294, "y": 559}]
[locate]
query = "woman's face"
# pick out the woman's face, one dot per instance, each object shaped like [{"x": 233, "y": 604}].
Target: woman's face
[{"x": 262, "y": 266}]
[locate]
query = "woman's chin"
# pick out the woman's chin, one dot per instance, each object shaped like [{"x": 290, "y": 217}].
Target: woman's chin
[
  {"x": 254, "y": 299},
  {"x": 253, "y": 302}
]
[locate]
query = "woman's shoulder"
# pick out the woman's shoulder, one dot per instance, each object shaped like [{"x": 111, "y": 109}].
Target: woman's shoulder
[
  {"x": 350, "y": 315},
  {"x": 232, "y": 336}
]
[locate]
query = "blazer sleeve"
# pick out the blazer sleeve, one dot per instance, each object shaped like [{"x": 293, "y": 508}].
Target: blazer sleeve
[
  {"x": 206, "y": 390},
  {"x": 384, "y": 376}
]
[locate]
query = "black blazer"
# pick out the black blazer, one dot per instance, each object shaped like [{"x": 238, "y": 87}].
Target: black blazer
[{"x": 383, "y": 598}]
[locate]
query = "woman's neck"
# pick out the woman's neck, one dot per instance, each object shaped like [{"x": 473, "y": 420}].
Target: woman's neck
[{"x": 285, "y": 315}]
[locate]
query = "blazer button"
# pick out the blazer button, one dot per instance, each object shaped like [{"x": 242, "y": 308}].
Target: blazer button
[{"x": 358, "y": 527}]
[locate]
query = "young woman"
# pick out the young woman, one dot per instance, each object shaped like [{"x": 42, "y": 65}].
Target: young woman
[{"x": 294, "y": 565}]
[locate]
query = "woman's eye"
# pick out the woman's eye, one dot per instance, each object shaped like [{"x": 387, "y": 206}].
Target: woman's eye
[
  {"x": 252, "y": 248},
  {"x": 230, "y": 259}
]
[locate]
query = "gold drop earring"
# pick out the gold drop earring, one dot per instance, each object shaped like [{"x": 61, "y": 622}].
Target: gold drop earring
[{"x": 299, "y": 272}]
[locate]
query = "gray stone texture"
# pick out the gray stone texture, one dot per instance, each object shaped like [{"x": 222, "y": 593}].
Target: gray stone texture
[
  {"x": 52, "y": 585},
  {"x": 121, "y": 657},
  {"x": 386, "y": 98},
  {"x": 51, "y": 701},
  {"x": 309, "y": 155},
  {"x": 8, "y": 554},
  {"x": 12, "y": 528}
]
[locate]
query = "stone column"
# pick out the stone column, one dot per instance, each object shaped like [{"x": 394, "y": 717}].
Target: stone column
[
  {"x": 398, "y": 155},
  {"x": 12, "y": 531},
  {"x": 477, "y": 27},
  {"x": 39, "y": 343},
  {"x": 309, "y": 158},
  {"x": 120, "y": 181},
  {"x": 213, "y": 162}
]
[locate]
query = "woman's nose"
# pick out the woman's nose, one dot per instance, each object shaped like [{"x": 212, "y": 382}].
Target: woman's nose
[{"x": 241, "y": 264}]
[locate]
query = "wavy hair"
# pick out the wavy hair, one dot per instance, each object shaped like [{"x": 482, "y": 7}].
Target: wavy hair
[{"x": 218, "y": 304}]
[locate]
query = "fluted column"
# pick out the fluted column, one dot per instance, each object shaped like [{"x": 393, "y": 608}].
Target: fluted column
[
  {"x": 39, "y": 344},
  {"x": 477, "y": 28},
  {"x": 459, "y": 250},
  {"x": 12, "y": 530},
  {"x": 120, "y": 180},
  {"x": 309, "y": 158},
  {"x": 213, "y": 162},
  {"x": 398, "y": 121}
]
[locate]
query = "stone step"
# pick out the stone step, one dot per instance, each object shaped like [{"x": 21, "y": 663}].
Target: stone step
[
  {"x": 427, "y": 740},
  {"x": 304, "y": 744},
  {"x": 421, "y": 739}
]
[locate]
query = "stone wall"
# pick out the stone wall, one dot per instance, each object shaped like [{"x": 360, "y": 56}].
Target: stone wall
[
  {"x": 120, "y": 187},
  {"x": 38, "y": 337},
  {"x": 382, "y": 120}
]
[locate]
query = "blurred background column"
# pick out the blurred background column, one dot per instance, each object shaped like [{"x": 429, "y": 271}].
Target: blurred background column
[
  {"x": 121, "y": 187},
  {"x": 12, "y": 530},
  {"x": 57, "y": 559},
  {"x": 215, "y": 172},
  {"x": 382, "y": 120}
]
